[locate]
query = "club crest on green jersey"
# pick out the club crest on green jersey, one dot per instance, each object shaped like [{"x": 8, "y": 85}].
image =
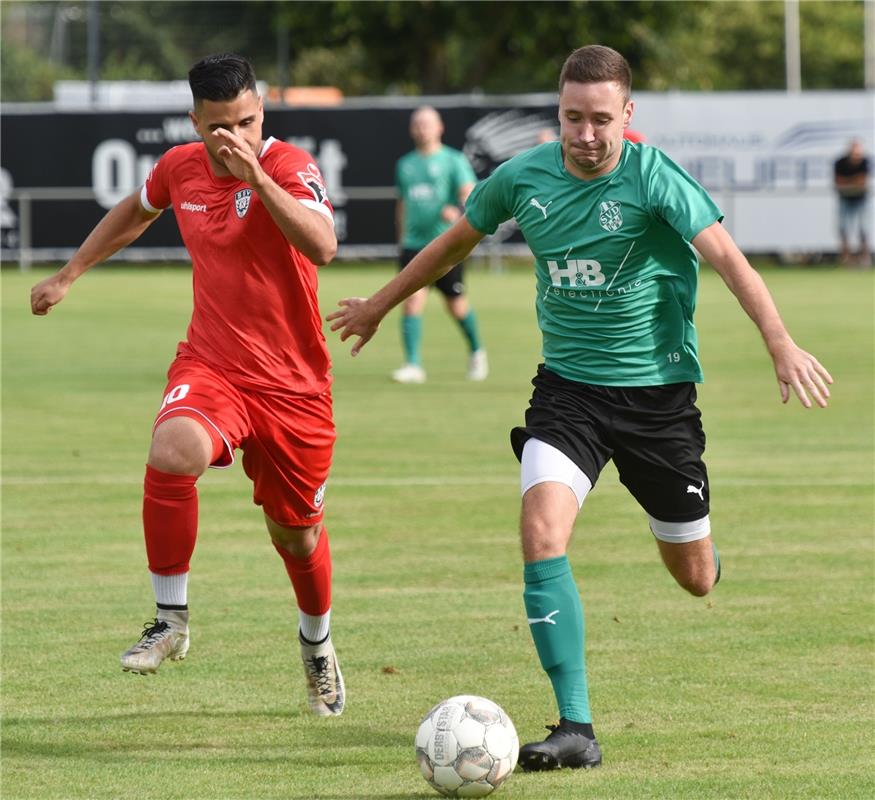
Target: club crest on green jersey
[{"x": 610, "y": 217}]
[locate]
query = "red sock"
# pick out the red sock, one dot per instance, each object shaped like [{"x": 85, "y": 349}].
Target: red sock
[
  {"x": 169, "y": 520},
  {"x": 311, "y": 576}
]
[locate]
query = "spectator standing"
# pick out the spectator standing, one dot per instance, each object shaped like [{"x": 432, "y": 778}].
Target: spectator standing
[{"x": 851, "y": 180}]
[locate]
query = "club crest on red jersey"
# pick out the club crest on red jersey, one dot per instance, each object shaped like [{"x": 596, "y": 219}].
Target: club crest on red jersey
[{"x": 241, "y": 202}]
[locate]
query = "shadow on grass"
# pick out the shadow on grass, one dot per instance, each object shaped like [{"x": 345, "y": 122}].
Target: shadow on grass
[
  {"x": 211, "y": 739},
  {"x": 191, "y": 732}
]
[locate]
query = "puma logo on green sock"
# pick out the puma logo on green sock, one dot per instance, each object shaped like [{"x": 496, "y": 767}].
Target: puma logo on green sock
[{"x": 548, "y": 619}]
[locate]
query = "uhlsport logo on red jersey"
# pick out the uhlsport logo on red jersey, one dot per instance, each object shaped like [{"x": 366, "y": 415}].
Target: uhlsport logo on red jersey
[{"x": 241, "y": 202}]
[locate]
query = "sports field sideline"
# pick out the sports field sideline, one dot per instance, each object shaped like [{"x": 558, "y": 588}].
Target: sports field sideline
[{"x": 762, "y": 690}]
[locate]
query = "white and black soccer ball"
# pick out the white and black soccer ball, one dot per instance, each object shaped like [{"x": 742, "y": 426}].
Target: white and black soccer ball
[{"x": 466, "y": 746}]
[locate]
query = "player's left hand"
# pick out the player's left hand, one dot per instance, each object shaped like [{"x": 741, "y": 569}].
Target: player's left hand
[
  {"x": 801, "y": 372},
  {"x": 355, "y": 318},
  {"x": 238, "y": 157}
]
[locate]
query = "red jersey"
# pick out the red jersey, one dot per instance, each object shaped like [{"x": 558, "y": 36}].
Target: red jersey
[{"x": 256, "y": 314}]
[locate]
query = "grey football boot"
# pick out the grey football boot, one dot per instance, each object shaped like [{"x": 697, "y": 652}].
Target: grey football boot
[
  {"x": 325, "y": 690},
  {"x": 165, "y": 637}
]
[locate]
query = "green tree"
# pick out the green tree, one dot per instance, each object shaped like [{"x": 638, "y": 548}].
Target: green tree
[
  {"x": 442, "y": 46},
  {"x": 832, "y": 45},
  {"x": 723, "y": 46},
  {"x": 26, "y": 74},
  {"x": 434, "y": 47}
]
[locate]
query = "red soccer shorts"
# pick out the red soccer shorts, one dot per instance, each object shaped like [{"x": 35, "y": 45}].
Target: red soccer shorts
[{"x": 287, "y": 441}]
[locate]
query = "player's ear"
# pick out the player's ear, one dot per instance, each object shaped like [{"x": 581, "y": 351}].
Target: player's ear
[
  {"x": 193, "y": 117},
  {"x": 627, "y": 113}
]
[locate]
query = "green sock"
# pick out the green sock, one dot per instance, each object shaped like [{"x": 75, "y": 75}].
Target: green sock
[
  {"x": 556, "y": 623},
  {"x": 411, "y": 337},
  {"x": 716, "y": 563},
  {"x": 469, "y": 328}
]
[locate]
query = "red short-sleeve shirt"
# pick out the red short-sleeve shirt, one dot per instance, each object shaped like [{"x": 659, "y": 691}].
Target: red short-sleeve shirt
[{"x": 256, "y": 314}]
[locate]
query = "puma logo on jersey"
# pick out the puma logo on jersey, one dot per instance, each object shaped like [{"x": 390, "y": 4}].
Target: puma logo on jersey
[
  {"x": 548, "y": 619},
  {"x": 542, "y": 209},
  {"x": 699, "y": 491}
]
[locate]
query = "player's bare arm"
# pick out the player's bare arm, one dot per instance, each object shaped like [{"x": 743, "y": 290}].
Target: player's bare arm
[
  {"x": 359, "y": 316},
  {"x": 794, "y": 368},
  {"x": 399, "y": 221},
  {"x": 451, "y": 213},
  {"x": 307, "y": 230},
  {"x": 120, "y": 226}
]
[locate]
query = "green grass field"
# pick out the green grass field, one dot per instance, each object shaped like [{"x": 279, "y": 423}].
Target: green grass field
[{"x": 762, "y": 690}]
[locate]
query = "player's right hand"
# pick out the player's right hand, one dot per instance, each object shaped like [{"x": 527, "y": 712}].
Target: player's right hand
[
  {"x": 355, "y": 318},
  {"x": 48, "y": 293}
]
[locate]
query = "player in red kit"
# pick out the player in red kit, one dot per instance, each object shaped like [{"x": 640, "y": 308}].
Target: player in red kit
[{"x": 253, "y": 371}]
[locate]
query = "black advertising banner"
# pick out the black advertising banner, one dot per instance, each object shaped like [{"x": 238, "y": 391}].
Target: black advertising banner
[{"x": 70, "y": 167}]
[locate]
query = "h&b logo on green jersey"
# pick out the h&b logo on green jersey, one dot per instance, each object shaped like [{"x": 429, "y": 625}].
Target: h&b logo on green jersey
[
  {"x": 579, "y": 272},
  {"x": 610, "y": 217},
  {"x": 421, "y": 191}
]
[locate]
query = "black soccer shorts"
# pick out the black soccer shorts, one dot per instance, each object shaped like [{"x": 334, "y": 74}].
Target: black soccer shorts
[
  {"x": 653, "y": 433},
  {"x": 450, "y": 285}
]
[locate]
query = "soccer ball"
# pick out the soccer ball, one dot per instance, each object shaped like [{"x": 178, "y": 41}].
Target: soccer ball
[{"x": 466, "y": 746}]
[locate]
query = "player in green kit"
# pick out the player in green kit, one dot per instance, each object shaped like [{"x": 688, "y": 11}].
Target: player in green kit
[
  {"x": 612, "y": 226},
  {"x": 433, "y": 182}
]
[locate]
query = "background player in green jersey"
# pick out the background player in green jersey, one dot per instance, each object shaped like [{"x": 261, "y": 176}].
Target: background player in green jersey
[
  {"x": 611, "y": 225},
  {"x": 433, "y": 182}
]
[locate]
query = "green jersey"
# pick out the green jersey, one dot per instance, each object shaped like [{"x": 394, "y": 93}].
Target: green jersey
[
  {"x": 425, "y": 185},
  {"x": 616, "y": 274}
]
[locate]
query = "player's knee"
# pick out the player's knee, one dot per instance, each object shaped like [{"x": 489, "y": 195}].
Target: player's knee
[
  {"x": 540, "y": 540},
  {"x": 697, "y": 583},
  {"x": 535, "y": 549},
  {"x": 180, "y": 446},
  {"x": 299, "y": 541},
  {"x": 698, "y": 588}
]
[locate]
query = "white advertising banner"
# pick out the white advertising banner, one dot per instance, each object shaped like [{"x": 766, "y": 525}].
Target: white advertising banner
[{"x": 766, "y": 157}]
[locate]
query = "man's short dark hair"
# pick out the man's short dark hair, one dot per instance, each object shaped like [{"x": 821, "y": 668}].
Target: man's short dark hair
[
  {"x": 596, "y": 63},
  {"x": 221, "y": 77}
]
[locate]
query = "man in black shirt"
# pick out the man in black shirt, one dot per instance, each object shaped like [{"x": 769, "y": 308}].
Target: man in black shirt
[{"x": 851, "y": 175}]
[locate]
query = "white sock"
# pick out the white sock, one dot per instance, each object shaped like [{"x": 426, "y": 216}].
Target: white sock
[
  {"x": 314, "y": 629},
  {"x": 170, "y": 590}
]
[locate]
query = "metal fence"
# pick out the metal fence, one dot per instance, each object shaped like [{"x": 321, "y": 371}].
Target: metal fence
[{"x": 25, "y": 204}]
